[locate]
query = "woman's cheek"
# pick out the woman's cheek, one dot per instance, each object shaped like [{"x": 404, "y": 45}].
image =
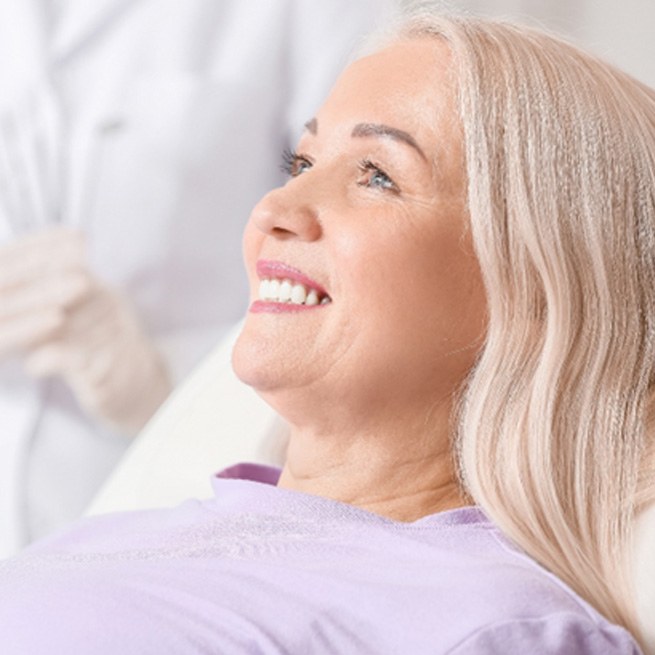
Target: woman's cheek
[{"x": 251, "y": 246}]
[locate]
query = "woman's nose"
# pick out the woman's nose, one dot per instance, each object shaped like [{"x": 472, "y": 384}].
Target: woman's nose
[{"x": 283, "y": 216}]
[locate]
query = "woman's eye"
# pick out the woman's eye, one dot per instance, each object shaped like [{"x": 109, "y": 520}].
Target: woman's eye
[
  {"x": 294, "y": 164},
  {"x": 375, "y": 178}
]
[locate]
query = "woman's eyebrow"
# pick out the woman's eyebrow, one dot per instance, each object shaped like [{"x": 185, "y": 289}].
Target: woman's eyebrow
[
  {"x": 311, "y": 126},
  {"x": 376, "y": 129}
]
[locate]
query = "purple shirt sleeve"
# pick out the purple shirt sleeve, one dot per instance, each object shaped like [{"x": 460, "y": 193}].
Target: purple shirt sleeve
[{"x": 558, "y": 634}]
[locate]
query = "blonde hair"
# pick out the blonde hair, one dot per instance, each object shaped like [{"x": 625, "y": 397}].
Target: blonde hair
[{"x": 556, "y": 423}]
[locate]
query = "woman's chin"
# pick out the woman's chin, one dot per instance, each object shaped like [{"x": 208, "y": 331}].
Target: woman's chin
[
  {"x": 254, "y": 362},
  {"x": 246, "y": 361}
]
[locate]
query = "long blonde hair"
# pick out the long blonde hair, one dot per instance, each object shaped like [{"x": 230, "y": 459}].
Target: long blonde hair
[{"x": 556, "y": 424}]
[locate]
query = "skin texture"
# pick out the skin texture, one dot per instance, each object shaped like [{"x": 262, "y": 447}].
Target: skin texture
[{"x": 368, "y": 381}]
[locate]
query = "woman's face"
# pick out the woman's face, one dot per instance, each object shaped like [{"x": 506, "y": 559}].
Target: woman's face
[{"x": 372, "y": 227}]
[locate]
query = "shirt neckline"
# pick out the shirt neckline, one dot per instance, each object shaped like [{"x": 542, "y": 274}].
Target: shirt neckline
[{"x": 252, "y": 487}]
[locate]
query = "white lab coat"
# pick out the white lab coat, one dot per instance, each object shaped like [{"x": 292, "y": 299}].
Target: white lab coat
[{"x": 177, "y": 112}]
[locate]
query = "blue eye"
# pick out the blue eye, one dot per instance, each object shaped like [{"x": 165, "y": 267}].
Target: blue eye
[
  {"x": 294, "y": 164},
  {"x": 375, "y": 178}
]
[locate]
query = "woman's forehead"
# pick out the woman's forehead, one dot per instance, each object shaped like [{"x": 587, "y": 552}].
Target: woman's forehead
[{"x": 407, "y": 85}]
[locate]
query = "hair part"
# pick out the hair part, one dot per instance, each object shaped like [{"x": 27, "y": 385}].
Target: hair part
[{"x": 556, "y": 427}]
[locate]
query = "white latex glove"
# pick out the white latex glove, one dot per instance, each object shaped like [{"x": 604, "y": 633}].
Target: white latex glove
[
  {"x": 57, "y": 315},
  {"x": 41, "y": 277}
]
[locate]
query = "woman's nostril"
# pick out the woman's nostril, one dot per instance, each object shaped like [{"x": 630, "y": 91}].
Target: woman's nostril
[
  {"x": 281, "y": 232},
  {"x": 287, "y": 214},
  {"x": 298, "y": 223}
]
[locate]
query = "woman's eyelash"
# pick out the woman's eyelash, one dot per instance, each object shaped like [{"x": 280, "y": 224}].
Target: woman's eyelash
[
  {"x": 288, "y": 159},
  {"x": 382, "y": 179},
  {"x": 293, "y": 164},
  {"x": 291, "y": 161}
]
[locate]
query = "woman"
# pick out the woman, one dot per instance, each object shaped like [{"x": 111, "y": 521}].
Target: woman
[{"x": 452, "y": 305}]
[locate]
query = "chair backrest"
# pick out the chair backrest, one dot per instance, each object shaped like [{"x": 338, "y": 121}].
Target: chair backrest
[{"x": 211, "y": 421}]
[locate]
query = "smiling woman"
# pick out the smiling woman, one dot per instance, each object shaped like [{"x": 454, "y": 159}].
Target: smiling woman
[
  {"x": 452, "y": 306},
  {"x": 382, "y": 228}
]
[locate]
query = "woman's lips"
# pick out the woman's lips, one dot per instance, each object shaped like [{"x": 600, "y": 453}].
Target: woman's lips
[{"x": 284, "y": 288}]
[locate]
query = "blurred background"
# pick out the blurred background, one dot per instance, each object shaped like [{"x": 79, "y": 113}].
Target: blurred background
[{"x": 620, "y": 31}]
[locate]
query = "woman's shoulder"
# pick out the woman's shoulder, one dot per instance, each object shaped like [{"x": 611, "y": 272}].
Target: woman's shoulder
[{"x": 510, "y": 603}]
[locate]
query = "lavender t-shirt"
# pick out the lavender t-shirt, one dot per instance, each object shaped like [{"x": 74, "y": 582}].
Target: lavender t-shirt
[{"x": 258, "y": 569}]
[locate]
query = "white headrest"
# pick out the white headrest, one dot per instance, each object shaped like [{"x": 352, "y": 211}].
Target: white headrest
[{"x": 211, "y": 421}]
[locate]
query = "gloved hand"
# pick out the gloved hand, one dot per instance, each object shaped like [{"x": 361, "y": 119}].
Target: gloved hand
[{"x": 64, "y": 322}]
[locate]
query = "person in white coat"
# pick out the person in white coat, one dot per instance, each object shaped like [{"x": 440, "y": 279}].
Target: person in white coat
[{"x": 135, "y": 136}]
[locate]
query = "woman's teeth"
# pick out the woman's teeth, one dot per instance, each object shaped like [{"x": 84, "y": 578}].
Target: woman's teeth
[{"x": 285, "y": 291}]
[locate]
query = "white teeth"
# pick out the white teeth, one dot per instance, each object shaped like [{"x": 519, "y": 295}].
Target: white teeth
[
  {"x": 298, "y": 294},
  {"x": 263, "y": 289},
  {"x": 284, "y": 291}
]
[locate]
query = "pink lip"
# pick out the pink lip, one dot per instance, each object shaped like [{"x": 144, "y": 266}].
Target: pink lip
[
  {"x": 268, "y": 269},
  {"x": 272, "y": 269},
  {"x": 269, "y": 307}
]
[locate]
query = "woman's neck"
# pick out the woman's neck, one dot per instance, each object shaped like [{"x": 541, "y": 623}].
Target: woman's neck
[{"x": 403, "y": 476}]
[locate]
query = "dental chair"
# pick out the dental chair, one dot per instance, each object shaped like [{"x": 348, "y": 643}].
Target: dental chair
[{"x": 213, "y": 420}]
